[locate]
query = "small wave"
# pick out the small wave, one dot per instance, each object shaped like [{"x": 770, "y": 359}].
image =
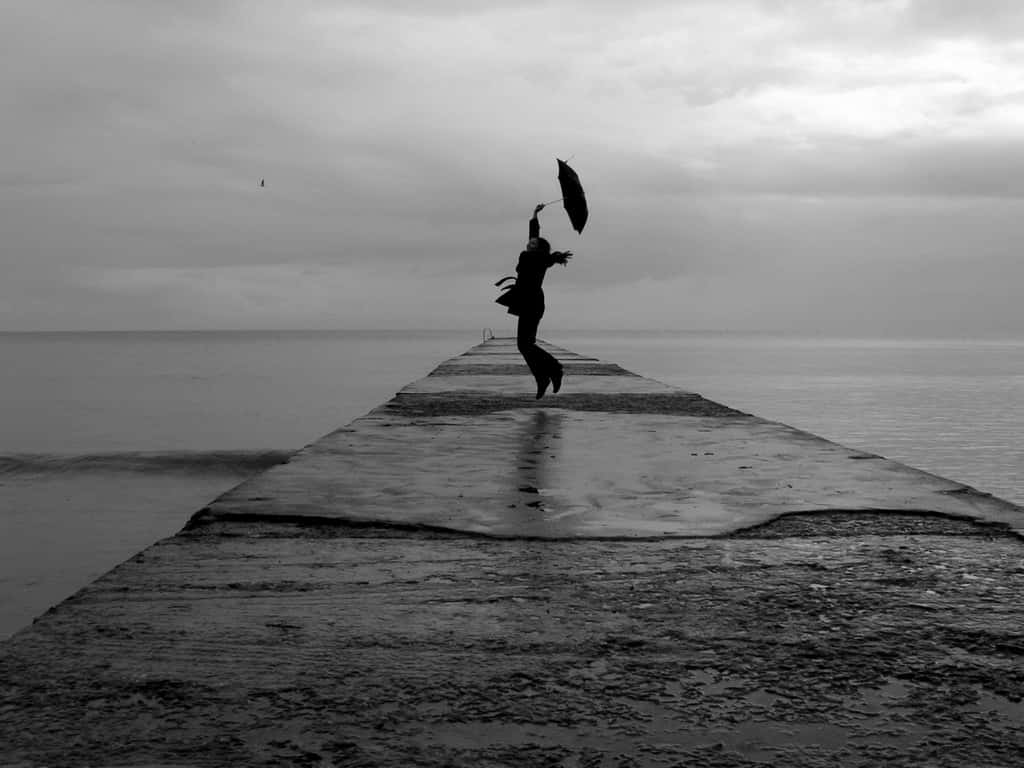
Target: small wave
[{"x": 178, "y": 462}]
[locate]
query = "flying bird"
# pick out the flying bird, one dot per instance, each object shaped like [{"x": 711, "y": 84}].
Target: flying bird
[{"x": 261, "y": 183}]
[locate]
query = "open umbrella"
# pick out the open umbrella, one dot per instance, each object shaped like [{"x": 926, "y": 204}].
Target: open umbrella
[{"x": 573, "y": 199}]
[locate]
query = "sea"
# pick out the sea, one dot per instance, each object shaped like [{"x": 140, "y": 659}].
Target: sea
[{"x": 110, "y": 441}]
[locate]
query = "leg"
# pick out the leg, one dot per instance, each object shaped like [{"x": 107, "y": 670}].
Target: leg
[
  {"x": 536, "y": 358},
  {"x": 544, "y": 361}
]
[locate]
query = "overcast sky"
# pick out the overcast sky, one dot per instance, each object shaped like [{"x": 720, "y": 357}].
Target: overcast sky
[{"x": 828, "y": 166}]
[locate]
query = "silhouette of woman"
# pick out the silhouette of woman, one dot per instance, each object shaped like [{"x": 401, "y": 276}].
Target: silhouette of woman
[{"x": 533, "y": 265}]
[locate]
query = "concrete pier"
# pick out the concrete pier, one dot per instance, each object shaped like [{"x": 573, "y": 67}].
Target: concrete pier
[{"x": 622, "y": 574}]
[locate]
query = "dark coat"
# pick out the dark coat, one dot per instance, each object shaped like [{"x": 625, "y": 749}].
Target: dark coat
[{"x": 530, "y": 271}]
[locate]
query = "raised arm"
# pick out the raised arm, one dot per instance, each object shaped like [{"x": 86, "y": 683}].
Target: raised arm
[{"x": 535, "y": 223}]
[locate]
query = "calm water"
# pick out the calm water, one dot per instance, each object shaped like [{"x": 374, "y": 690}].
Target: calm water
[
  {"x": 952, "y": 407},
  {"x": 109, "y": 442}
]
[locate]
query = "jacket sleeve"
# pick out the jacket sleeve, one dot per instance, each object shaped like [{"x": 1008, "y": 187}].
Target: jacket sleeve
[{"x": 534, "y": 227}]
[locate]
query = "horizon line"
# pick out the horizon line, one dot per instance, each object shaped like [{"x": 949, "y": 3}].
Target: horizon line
[{"x": 816, "y": 333}]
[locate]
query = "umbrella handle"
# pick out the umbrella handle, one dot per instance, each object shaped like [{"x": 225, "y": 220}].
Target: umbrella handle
[{"x": 553, "y": 201}]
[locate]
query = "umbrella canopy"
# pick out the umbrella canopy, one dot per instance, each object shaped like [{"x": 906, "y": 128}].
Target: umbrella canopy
[{"x": 573, "y": 199}]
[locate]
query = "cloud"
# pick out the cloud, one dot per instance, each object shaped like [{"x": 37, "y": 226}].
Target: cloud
[
  {"x": 404, "y": 145},
  {"x": 998, "y": 20},
  {"x": 297, "y": 295},
  {"x": 897, "y": 167}
]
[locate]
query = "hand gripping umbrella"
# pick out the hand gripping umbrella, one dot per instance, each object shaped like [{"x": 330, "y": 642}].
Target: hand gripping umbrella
[{"x": 573, "y": 199}]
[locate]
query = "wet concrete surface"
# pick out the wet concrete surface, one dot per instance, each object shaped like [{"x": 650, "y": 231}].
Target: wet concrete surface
[
  {"x": 613, "y": 454},
  {"x": 703, "y": 632}
]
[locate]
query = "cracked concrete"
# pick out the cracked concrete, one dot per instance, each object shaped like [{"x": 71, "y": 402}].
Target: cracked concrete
[{"x": 646, "y": 587}]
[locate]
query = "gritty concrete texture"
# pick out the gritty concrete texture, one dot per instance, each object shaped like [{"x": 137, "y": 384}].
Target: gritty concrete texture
[{"x": 880, "y": 631}]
